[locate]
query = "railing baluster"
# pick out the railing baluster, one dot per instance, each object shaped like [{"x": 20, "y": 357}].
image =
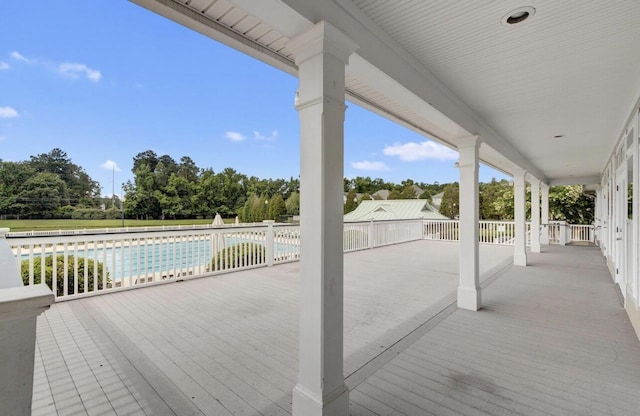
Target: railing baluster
[{"x": 75, "y": 268}]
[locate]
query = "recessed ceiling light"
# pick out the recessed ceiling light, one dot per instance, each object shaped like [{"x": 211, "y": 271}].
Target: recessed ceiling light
[
  {"x": 518, "y": 15},
  {"x": 558, "y": 136}
]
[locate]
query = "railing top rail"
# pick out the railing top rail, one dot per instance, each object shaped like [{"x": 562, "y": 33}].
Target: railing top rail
[
  {"x": 385, "y": 221},
  {"x": 158, "y": 230}
]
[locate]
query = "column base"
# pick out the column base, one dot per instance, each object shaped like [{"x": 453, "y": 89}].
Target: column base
[
  {"x": 535, "y": 248},
  {"x": 469, "y": 298},
  {"x": 520, "y": 259},
  {"x": 306, "y": 403}
]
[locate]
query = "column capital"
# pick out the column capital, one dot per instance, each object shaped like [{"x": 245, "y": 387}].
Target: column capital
[
  {"x": 468, "y": 141},
  {"x": 322, "y": 37},
  {"x": 519, "y": 173},
  {"x": 533, "y": 180},
  {"x": 544, "y": 186}
]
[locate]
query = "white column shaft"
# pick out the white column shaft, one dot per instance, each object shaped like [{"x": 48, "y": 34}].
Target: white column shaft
[
  {"x": 469, "y": 294},
  {"x": 321, "y": 55},
  {"x": 535, "y": 216},
  {"x": 544, "y": 238},
  {"x": 519, "y": 207}
]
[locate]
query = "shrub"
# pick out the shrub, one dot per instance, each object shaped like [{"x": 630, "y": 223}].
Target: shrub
[
  {"x": 88, "y": 214},
  {"x": 113, "y": 214},
  {"x": 71, "y": 265},
  {"x": 246, "y": 254}
]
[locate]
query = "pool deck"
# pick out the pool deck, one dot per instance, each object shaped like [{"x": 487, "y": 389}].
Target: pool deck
[{"x": 552, "y": 339}]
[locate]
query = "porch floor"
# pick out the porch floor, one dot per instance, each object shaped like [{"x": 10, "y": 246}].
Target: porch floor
[{"x": 551, "y": 340}]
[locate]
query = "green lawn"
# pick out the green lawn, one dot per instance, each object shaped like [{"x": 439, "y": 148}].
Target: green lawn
[{"x": 41, "y": 225}]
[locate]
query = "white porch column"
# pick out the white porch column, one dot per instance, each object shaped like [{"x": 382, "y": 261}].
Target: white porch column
[
  {"x": 321, "y": 54},
  {"x": 544, "y": 238},
  {"x": 19, "y": 308},
  {"x": 519, "y": 207},
  {"x": 535, "y": 215},
  {"x": 469, "y": 295}
]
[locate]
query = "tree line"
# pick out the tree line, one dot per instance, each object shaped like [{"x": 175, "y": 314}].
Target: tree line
[
  {"x": 566, "y": 203},
  {"x": 50, "y": 185}
]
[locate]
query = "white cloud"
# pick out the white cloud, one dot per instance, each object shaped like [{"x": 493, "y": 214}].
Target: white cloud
[
  {"x": 412, "y": 151},
  {"x": 8, "y": 112},
  {"x": 4, "y": 66},
  {"x": 234, "y": 136},
  {"x": 74, "y": 71},
  {"x": 367, "y": 165},
  {"x": 19, "y": 57},
  {"x": 260, "y": 137},
  {"x": 110, "y": 165}
]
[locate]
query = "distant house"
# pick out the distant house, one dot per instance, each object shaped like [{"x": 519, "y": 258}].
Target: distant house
[
  {"x": 381, "y": 194},
  {"x": 417, "y": 190},
  {"x": 384, "y": 193},
  {"x": 399, "y": 209},
  {"x": 436, "y": 201}
]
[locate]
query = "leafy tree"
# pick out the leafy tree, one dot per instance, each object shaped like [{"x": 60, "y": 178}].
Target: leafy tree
[
  {"x": 496, "y": 200},
  {"x": 188, "y": 169},
  {"x": 277, "y": 207},
  {"x": 148, "y": 157},
  {"x": 450, "y": 206},
  {"x": 408, "y": 192},
  {"x": 80, "y": 187},
  {"x": 293, "y": 203},
  {"x": 571, "y": 204},
  {"x": 365, "y": 197},
  {"x": 351, "y": 203},
  {"x": 394, "y": 194},
  {"x": 42, "y": 195},
  {"x": 13, "y": 175}
]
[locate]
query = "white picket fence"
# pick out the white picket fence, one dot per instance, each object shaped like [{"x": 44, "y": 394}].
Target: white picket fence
[{"x": 92, "y": 262}]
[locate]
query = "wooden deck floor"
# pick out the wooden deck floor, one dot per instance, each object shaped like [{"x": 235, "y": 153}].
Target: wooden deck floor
[{"x": 228, "y": 345}]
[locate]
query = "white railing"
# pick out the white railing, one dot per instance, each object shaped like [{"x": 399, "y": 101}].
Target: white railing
[
  {"x": 91, "y": 231},
  {"x": 89, "y": 263},
  {"x": 554, "y": 232},
  {"x": 490, "y": 232},
  {"x": 582, "y": 233}
]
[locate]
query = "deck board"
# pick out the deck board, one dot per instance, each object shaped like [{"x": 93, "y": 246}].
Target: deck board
[
  {"x": 550, "y": 340},
  {"x": 227, "y": 345}
]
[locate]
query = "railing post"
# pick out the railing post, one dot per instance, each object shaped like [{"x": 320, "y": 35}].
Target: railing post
[
  {"x": 269, "y": 242},
  {"x": 563, "y": 233},
  {"x": 371, "y": 234},
  {"x": 19, "y": 307},
  {"x": 519, "y": 206}
]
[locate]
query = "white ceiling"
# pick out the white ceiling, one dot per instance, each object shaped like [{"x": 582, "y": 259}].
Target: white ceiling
[
  {"x": 451, "y": 68},
  {"x": 572, "y": 69}
]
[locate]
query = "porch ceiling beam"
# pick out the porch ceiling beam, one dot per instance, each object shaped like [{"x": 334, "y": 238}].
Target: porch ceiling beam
[{"x": 582, "y": 180}]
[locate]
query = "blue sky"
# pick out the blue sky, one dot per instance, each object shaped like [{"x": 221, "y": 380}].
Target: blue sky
[{"x": 104, "y": 80}]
